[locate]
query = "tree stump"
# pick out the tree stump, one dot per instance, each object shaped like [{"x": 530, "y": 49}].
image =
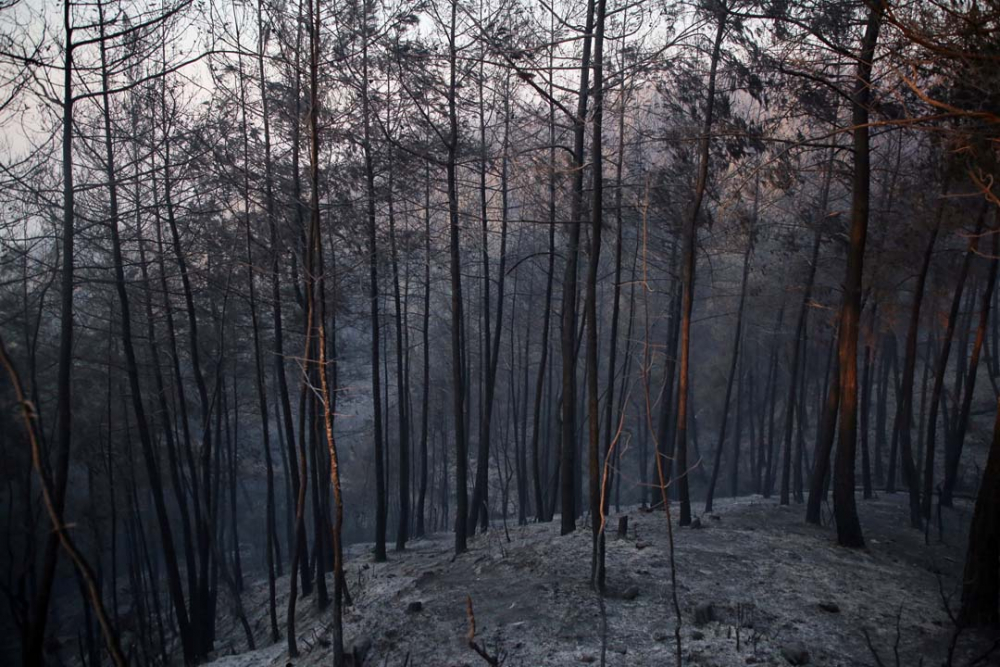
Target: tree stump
[{"x": 622, "y": 527}]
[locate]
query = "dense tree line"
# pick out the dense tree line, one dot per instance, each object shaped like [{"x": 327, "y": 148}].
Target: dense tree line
[{"x": 276, "y": 277}]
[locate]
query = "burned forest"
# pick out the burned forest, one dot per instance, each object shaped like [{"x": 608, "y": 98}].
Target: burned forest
[{"x": 449, "y": 333}]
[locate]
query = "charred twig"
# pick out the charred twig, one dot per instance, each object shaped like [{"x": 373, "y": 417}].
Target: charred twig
[
  {"x": 480, "y": 649},
  {"x": 895, "y": 645},
  {"x": 872, "y": 649},
  {"x": 985, "y": 656},
  {"x": 945, "y": 602},
  {"x": 745, "y": 619}
]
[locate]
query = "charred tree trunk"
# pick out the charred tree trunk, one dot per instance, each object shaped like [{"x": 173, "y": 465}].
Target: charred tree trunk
[
  {"x": 259, "y": 373},
  {"x": 798, "y": 342},
  {"x": 954, "y": 451},
  {"x": 845, "y": 510},
  {"x": 297, "y": 541},
  {"x": 667, "y": 417},
  {"x": 734, "y": 360},
  {"x": 402, "y": 389},
  {"x": 904, "y": 412},
  {"x": 597, "y": 569},
  {"x": 887, "y": 356},
  {"x": 824, "y": 443},
  {"x": 381, "y": 510},
  {"x": 612, "y": 413},
  {"x": 189, "y": 648},
  {"x": 457, "y": 317},
  {"x": 981, "y": 577},
  {"x": 425, "y": 399},
  {"x": 537, "y": 475},
  {"x": 866, "y": 391},
  {"x": 35, "y": 639},
  {"x": 689, "y": 253},
  {"x": 491, "y": 336},
  {"x": 770, "y": 404},
  {"x": 942, "y": 368},
  {"x": 568, "y": 459}
]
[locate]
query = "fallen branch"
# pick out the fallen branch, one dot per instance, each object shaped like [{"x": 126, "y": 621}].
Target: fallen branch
[{"x": 492, "y": 660}]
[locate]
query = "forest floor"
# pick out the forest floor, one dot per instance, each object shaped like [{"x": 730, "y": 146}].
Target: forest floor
[{"x": 755, "y": 585}]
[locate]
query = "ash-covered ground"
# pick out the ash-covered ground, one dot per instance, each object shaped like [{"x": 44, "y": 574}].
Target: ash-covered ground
[{"x": 755, "y": 585}]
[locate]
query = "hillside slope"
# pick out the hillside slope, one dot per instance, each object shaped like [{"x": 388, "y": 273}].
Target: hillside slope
[{"x": 777, "y": 590}]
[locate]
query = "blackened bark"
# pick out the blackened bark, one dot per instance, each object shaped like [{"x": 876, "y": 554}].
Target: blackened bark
[
  {"x": 866, "y": 391},
  {"x": 568, "y": 458},
  {"x": 904, "y": 411},
  {"x": 954, "y": 451},
  {"x": 845, "y": 510},
  {"x": 402, "y": 387},
  {"x": 135, "y": 389},
  {"x": 32, "y": 654},
  {"x": 824, "y": 444},
  {"x": 798, "y": 343},
  {"x": 942, "y": 367},
  {"x": 981, "y": 577},
  {"x": 381, "y": 511},
  {"x": 425, "y": 399},
  {"x": 597, "y": 569},
  {"x": 734, "y": 359},
  {"x": 688, "y": 256},
  {"x": 457, "y": 317}
]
